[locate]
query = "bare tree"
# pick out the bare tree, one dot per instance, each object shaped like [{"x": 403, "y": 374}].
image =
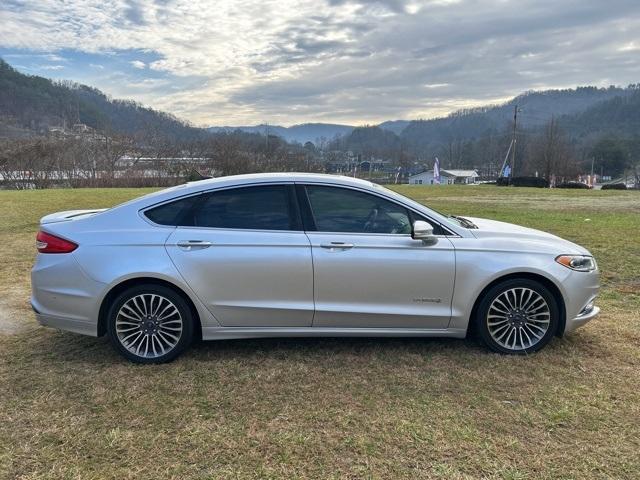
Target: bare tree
[{"x": 552, "y": 155}]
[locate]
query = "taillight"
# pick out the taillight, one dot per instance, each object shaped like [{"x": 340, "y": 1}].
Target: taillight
[{"x": 47, "y": 243}]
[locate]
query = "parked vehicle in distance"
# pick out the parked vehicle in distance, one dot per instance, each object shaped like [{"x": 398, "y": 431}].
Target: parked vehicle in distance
[{"x": 274, "y": 255}]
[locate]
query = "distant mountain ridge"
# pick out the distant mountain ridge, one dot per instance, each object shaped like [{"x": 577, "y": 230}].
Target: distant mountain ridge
[
  {"x": 534, "y": 108},
  {"x": 302, "y": 133}
]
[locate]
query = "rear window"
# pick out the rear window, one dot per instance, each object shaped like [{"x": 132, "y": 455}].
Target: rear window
[
  {"x": 173, "y": 213},
  {"x": 254, "y": 208}
]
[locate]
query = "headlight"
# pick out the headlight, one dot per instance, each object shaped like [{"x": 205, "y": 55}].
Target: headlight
[{"x": 580, "y": 263}]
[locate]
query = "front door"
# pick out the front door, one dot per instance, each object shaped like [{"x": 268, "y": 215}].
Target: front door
[
  {"x": 368, "y": 271},
  {"x": 244, "y": 254}
]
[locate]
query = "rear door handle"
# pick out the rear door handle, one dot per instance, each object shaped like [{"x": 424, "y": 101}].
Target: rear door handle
[
  {"x": 337, "y": 245},
  {"x": 188, "y": 245}
]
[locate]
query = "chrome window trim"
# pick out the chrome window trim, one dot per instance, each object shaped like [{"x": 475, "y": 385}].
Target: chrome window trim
[
  {"x": 142, "y": 210},
  {"x": 284, "y": 183}
]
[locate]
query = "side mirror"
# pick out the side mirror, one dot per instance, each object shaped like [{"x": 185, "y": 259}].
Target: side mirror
[{"x": 421, "y": 230}]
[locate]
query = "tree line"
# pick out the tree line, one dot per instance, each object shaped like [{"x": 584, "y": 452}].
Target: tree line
[{"x": 153, "y": 160}]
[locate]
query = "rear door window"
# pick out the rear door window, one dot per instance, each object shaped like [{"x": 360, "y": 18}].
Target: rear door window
[{"x": 267, "y": 207}]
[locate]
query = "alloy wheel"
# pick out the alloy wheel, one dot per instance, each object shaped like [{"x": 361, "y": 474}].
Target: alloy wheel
[
  {"x": 149, "y": 325},
  {"x": 518, "y": 318}
]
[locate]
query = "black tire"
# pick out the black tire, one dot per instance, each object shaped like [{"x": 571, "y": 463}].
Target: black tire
[
  {"x": 160, "y": 332},
  {"x": 517, "y": 323}
]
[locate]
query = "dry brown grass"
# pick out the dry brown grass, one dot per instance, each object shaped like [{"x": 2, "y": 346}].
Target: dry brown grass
[{"x": 328, "y": 408}]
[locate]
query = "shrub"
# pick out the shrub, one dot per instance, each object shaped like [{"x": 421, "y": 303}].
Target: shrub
[
  {"x": 523, "y": 182},
  {"x": 573, "y": 185},
  {"x": 614, "y": 186}
]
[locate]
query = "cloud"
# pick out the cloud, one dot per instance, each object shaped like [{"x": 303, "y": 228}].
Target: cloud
[{"x": 348, "y": 61}]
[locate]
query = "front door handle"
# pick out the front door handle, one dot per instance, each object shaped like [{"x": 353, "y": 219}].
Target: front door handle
[
  {"x": 189, "y": 245},
  {"x": 337, "y": 245}
]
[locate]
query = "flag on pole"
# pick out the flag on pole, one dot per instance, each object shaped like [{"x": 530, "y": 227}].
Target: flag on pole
[{"x": 436, "y": 171}]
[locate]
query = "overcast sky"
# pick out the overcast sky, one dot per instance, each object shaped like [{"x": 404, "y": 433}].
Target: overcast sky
[{"x": 237, "y": 62}]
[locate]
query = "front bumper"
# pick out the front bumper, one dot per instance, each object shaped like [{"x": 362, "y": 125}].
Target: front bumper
[
  {"x": 580, "y": 320},
  {"x": 580, "y": 292}
]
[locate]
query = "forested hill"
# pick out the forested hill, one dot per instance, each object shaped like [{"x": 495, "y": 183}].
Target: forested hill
[
  {"x": 534, "y": 109},
  {"x": 33, "y": 104},
  {"x": 619, "y": 116}
]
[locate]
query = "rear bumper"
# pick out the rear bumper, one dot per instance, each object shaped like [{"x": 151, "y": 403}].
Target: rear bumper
[
  {"x": 62, "y": 296},
  {"x": 75, "y": 326}
]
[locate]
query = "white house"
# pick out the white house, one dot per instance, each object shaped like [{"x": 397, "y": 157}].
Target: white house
[{"x": 447, "y": 177}]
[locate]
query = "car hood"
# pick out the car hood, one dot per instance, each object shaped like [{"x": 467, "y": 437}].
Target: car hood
[{"x": 508, "y": 231}]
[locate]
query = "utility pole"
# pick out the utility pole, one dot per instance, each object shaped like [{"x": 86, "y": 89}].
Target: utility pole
[{"x": 513, "y": 144}]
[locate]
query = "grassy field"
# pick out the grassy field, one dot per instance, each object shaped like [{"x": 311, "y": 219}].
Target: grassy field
[{"x": 70, "y": 407}]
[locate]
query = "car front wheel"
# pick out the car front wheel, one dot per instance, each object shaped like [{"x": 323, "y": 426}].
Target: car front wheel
[
  {"x": 150, "y": 324},
  {"x": 517, "y": 316}
]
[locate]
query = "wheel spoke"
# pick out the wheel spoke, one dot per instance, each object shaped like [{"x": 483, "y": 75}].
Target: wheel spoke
[
  {"x": 157, "y": 339},
  {"x": 169, "y": 342},
  {"x": 141, "y": 309},
  {"x": 173, "y": 329},
  {"x": 499, "y": 322},
  {"x": 528, "y": 328},
  {"x": 134, "y": 312},
  {"x": 500, "y": 311},
  {"x": 170, "y": 335},
  {"x": 515, "y": 297},
  {"x": 168, "y": 315},
  {"x": 152, "y": 309},
  {"x": 122, "y": 330},
  {"x": 543, "y": 330},
  {"x": 124, "y": 340},
  {"x": 507, "y": 332},
  {"x": 126, "y": 322}
]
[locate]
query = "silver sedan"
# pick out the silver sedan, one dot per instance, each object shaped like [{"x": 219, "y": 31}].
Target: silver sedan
[{"x": 274, "y": 255}]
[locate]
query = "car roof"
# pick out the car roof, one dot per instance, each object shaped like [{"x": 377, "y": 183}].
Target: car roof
[
  {"x": 280, "y": 177},
  {"x": 248, "y": 179}
]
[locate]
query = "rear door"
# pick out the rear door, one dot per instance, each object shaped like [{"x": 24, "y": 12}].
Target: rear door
[
  {"x": 368, "y": 271},
  {"x": 243, "y": 252}
]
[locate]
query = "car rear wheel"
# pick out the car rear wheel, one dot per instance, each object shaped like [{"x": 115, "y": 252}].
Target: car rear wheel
[
  {"x": 150, "y": 324},
  {"x": 517, "y": 316}
]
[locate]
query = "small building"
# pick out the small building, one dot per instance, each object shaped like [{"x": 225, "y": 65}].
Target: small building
[
  {"x": 81, "y": 128},
  {"x": 447, "y": 177}
]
